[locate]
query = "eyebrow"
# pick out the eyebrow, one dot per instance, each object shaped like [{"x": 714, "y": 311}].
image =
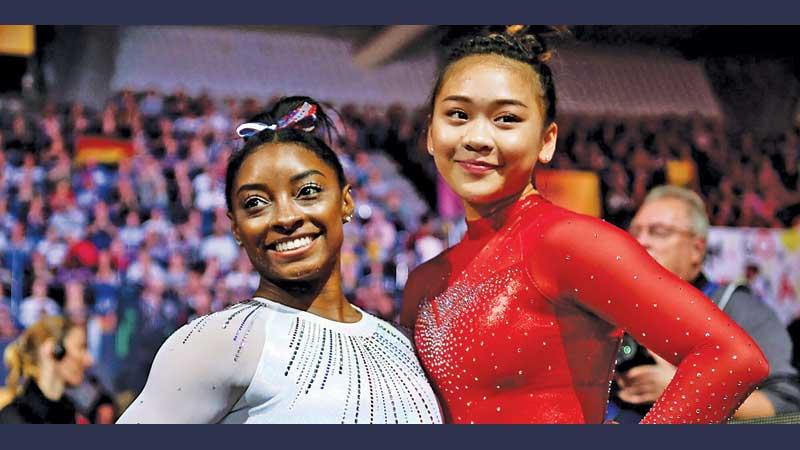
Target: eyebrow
[
  {"x": 252, "y": 187},
  {"x": 305, "y": 174},
  {"x": 499, "y": 101},
  {"x": 263, "y": 187}
]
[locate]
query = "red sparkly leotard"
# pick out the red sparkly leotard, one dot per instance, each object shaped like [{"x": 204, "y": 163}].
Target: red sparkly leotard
[{"x": 520, "y": 323}]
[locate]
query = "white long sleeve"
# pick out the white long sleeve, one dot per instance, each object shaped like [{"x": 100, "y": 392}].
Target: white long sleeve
[{"x": 202, "y": 369}]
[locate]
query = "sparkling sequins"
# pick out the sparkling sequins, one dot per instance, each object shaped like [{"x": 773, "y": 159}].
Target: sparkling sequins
[
  {"x": 541, "y": 348},
  {"x": 383, "y": 378},
  {"x": 248, "y": 308}
]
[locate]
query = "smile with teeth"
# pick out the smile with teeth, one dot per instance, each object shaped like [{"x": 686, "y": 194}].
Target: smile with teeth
[{"x": 293, "y": 244}]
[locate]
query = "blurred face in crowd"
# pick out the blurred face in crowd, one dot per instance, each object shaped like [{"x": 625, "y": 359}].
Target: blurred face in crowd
[
  {"x": 105, "y": 414},
  {"x": 39, "y": 288},
  {"x": 17, "y": 233},
  {"x": 288, "y": 211},
  {"x": 664, "y": 228},
  {"x": 132, "y": 219},
  {"x": 76, "y": 360},
  {"x": 7, "y": 329},
  {"x": 486, "y": 131}
]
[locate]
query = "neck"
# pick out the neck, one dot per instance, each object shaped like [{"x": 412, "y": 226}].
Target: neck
[
  {"x": 51, "y": 386},
  {"x": 322, "y": 297},
  {"x": 496, "y": 209}
]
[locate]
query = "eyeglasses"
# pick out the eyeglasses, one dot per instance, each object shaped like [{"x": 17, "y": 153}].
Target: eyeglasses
[{"x": 657, "y": 230}]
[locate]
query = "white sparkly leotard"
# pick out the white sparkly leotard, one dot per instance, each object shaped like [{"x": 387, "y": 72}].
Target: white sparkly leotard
[{"x": 263, "y": 362}]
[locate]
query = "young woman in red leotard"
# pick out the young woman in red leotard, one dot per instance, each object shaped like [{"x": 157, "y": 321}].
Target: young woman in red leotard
[{"x": 520, "y": 321}]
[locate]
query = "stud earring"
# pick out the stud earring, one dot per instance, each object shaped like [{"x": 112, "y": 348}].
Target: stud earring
[{"x": 348, "y": 218}]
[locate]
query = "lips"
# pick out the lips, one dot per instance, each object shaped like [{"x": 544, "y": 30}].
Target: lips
[
  {"x": 292, "y": 246},
  {"x": 477, "y": 167}
]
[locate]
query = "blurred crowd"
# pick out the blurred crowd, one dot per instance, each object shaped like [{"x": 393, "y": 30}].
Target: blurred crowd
[
  {"x": 138, "y": 248},
  {"x": 746, "y": 180}
]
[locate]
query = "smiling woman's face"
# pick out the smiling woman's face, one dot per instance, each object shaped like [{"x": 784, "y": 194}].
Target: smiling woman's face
[
  {"x": 486, "y": 132},
  {"x": 287, "y": 211}
]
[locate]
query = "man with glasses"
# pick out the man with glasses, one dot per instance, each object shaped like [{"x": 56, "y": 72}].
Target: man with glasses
[{"x": 672, "y": 225}]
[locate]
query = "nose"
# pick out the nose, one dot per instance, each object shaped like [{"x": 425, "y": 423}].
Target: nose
[
  {"x": 286, "y": 217},
  {"x": 478, "y": 137}
]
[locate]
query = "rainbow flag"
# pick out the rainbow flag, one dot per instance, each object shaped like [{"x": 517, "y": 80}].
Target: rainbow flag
[{"x": 102, "y": 150}]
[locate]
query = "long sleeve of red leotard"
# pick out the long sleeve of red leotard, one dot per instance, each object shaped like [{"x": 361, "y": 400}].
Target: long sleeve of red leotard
[{"x": 602, "y": 269}]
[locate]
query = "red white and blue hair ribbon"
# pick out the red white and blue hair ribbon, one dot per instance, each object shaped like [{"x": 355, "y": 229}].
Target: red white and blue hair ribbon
[{"x": 304, "y": 117}]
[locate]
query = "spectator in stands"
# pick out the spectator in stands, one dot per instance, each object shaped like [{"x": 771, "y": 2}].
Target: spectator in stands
[
  {"x": 151, "y": 104},
  {"x": 8, "y": 330},
  {"x": 672, "y": 225},
  {"x": 67, "y": 219},
  {"x": 242, "y": 280},
  {"x": 103, "y": 411},
  {"x": 132, "y": 233},
  {"x": 618, "y": 200},
  {"x": 176, "y": 276},
  {"x": 37, "y": 305},
  {"x": 16, "y": 259},
  {"x": 372, "y": 296},
  {"x": 40, "y": 270},
  {"x": 77, "y": 122},
  {"x": 36, "y": 218},
  {"x": 53, "y": 247},
  {"x": 81, "y": 253},
  {"x": 144, "y": 268},
  {"x": 152, "y": 184},
  {"x": 220, "y": 246},
  {"x": 7, "y": 219},
  {"x": 106, "y": 290},
  {"x": 155, "y": 318},
  {"x": 76, "y": 300},
  {"x": 47, "y": 358},
  {"x": 424, "y": 242},
  {"x": 382, "y": 234},
  {"x": 101, "y": 231}
]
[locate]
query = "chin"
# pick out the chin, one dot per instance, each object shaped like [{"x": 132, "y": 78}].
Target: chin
[
  {"x": 480, "y": 190},
  {"x": 74, "y": 383},
  {"x": 301, "y": 271},
  {"x": 480, "y": 195}
]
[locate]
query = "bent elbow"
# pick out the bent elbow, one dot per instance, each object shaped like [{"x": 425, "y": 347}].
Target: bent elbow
[{"x": 757, "y": 364}]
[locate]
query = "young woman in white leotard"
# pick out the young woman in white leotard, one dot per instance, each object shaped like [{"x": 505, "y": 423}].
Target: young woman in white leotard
[{"x": 298, "y": 351}]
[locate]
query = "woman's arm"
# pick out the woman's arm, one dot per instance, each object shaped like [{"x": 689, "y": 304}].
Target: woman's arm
[
  {"x": 602, "y": 269},
  {"x": 202, "y": 370}
]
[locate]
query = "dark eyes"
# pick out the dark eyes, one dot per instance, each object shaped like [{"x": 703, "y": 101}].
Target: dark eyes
[
  {"x": 252, "y": 202},
  {"x": 509, "y": 118},
  {"x": 457, "y": 114},
  {"x": 309, "y": 190},
  {"x": 306, "y": 192},
  {"x": 504, "y": 118}
]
